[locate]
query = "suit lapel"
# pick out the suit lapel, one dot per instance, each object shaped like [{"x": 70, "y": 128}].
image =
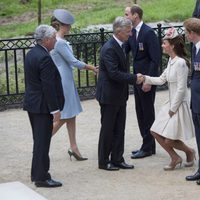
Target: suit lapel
[
  {"x": 141, "y": 31},
  {"x": 138, "y": 39},
  {"x": 198, "y": 53},
  {"x": 134, "y": 42},
  {"x": 195, "y": 59},
  {"x": 119, "y": 51}
]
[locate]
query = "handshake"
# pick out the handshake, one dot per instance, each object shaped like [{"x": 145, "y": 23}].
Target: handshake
[{"x": 140, "y": 78}]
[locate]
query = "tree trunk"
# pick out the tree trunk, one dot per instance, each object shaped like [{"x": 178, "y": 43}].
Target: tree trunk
[
  {"x": 24, "y": 1},
  {"x": 39, "y": 11}
]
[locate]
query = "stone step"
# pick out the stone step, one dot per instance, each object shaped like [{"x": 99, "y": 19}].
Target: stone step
[{"x": 18, "y": 191}]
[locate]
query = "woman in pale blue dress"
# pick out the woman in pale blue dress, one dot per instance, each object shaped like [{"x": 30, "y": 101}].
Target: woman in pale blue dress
[{"x": 65, "y": 61}]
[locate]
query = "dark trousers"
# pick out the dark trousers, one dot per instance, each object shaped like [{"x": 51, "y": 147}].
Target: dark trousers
[
  {"x": 144, "y": 105},
  {"x": 42, "y": 125},
  {"x": 111, "y": 138},
  {"x": 196, "y": 121}
]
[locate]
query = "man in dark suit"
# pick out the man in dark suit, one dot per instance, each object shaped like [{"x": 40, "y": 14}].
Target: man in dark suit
[
  {"x": 43, "y": 100},
  {"x": 112, "y": 94},
  {"x": 146, "y": 56},
  {"x": 196, "y": 12},
  {"x": 192, "y": 32}
]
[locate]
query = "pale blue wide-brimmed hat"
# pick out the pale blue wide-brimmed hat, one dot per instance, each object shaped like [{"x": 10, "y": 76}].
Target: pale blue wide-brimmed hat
[{"x": 64, "y": 16}]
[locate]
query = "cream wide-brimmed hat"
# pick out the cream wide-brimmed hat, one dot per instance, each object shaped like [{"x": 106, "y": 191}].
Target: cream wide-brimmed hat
[
  {"x": 170, "y": 33},
  {"x": 64, "y": 16}
]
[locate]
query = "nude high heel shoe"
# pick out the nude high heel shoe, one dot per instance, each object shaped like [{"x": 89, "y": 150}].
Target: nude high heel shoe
[
  {"x": 79, "y": 158},
  {"x": 173, "y": 165},
  {"x": 191, "y": 163}
]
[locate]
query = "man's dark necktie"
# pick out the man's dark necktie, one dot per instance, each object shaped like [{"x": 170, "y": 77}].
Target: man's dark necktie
[
  {"x": 134, "y": 34},
  {"x": 194, "y": 51},
  {"x": 124, "y": 49}
]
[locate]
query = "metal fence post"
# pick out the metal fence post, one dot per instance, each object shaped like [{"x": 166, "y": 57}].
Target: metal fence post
[
  {"x": 102, "y": 36},
  {"x": 87, "y": 47},
  {"x": 160, "y": 43},
  {"x": 39, "y": 11}
]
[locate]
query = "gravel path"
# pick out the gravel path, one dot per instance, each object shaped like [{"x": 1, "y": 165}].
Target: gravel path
[{"x": 83, "y": 180}]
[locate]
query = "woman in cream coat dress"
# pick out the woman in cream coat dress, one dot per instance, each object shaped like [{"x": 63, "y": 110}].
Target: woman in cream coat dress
[
  {"x": 65, "y": 61},
  {"x": 173, "y": 123}
]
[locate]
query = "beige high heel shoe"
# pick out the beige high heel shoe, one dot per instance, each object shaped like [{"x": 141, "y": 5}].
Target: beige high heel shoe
[
  {"x": 191, "y": 163},
  {"x": 173, "y": 165}
]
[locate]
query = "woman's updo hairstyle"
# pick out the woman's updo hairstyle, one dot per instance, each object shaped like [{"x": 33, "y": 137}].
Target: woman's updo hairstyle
[
  {"x": 177, "y": 41},
  {"x": 55, "y": 23},
  {"x": 61, "y": 17}
]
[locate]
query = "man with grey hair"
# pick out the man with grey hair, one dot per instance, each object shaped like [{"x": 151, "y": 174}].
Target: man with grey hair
[
  {"x": 43, "y": 101},
  {"x": 112, "y": 94}
]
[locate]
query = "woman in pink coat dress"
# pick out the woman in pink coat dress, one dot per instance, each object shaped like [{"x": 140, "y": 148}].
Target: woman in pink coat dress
[{"x": 173, "y": 123}]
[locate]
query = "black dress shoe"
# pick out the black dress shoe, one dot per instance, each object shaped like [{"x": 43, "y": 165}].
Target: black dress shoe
[
  {"x": 109, "y": 167},
  {"x": 135, "y": 151},
  {"x": 48, "y": 183},
  {"x": 124, "y": 165},
  {"x": 194, "y": 177},
  {"x": 198, "y": 182},
  {"x": 141, "y": 154}
]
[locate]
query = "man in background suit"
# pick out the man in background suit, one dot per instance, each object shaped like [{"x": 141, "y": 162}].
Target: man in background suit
[
  {"x": 146, "y": 57},
  {"x": 196, "y": 12},
  {"x": 43, "y": 100},
  {"x": 112, "y": 94},
  {"x": 192, "y": 32}
]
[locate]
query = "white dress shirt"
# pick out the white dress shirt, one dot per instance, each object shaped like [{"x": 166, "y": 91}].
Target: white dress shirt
[
  {"x": 137, "y": 28},
  {"x": 197, "y": 45}
]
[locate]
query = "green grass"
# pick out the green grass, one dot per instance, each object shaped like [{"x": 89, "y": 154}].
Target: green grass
[
  {"x": 12, "y": 80},
  {"x": 86, "y": 12},
  {"x": 173, "y": 10}
]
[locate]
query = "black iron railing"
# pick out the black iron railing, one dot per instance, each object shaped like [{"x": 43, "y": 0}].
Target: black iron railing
[{"x": 86, "y": 47}]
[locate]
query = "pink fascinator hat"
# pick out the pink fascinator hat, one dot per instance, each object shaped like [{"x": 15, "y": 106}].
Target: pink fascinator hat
[{"x": 171, "y": 33}]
